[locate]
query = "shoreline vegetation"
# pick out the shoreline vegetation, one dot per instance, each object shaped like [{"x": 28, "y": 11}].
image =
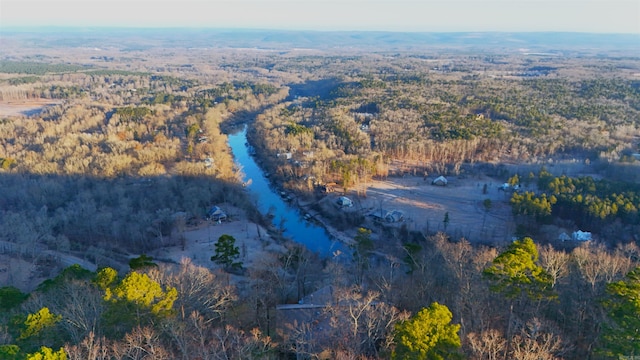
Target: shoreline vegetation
[{"x": 457, "y": 170}]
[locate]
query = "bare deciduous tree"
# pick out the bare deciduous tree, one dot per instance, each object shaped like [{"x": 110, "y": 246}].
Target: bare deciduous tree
[
  {"x": 488, "y": 345},
  {"x": 554, "y": 262},
  {"x": 538, "y": 340},
  {"x": 91, "y": 347},
  {"x": 140, "y": 344},
  {"x": 200, "y": 290}
]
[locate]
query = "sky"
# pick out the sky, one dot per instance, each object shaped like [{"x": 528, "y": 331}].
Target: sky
[{"x": 594, "y": 16}]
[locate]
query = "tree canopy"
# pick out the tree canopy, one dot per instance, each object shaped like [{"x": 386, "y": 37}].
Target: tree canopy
[
  {"x": 227, "y": 252},
  {"x": 10, "y": 297},
  {"x": 516, "y": 271},
  {"x": 622, "y": 336},
  {"x": 428, "y": 335},
  {"x": 141, "y": 262},
  {"x": 35, "y": 323},
  {"x": 141, "y": 290},
  {"x": 46, "y": 353}
]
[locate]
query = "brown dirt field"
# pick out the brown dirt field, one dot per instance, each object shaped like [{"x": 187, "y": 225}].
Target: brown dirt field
[
  {"x": 424, "y": 206},
  {"x": 200, "y": 243},
  {"x": 25, "y": 107}
]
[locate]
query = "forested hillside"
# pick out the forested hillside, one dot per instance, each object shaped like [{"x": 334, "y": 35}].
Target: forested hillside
[{"x": 441, "y": 114}]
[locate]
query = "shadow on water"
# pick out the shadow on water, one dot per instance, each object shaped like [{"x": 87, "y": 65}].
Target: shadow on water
[{"x": 314, "y": 237}]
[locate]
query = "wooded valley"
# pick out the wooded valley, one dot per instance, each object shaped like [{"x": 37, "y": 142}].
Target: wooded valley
[{"x": 129, "y": 153}]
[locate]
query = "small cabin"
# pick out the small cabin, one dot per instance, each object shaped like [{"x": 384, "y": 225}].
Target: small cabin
[{"x": 216, "y": 214}]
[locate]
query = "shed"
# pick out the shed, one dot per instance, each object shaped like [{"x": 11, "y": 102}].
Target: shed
[
  {"x": 440, "y": 180},
  {"x": 329, "y": 187},
  {"x": 344, "y": 201}
]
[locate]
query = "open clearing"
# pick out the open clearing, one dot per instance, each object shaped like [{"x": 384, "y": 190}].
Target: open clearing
[
  {"x": 199, "y": 245},
  {"x": 424, "y": 206},
  {"x": 200, "y": 242},
  {"x": 27, "y": 107}
]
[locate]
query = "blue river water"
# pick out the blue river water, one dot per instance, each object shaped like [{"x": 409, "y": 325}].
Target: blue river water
[{"x": 314, "y": 237}]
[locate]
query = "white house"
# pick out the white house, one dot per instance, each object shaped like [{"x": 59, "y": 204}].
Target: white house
[
  {"x": 216, "y": 214},
  {"x": 581, "y": 236}
]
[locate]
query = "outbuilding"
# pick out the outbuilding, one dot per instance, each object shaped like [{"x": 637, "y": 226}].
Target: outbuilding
[
  {"x": 216, "y": 214},
  {"x": 344, "y": 201},
  {"x": 440, "y": 180}
]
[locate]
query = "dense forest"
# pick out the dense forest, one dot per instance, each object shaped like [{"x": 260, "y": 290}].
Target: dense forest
[
  {"x": 131, "y": 152},
  {"x": 440, "y": 120}
]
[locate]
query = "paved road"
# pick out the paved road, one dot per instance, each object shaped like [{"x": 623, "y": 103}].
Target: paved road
[{"x": 68, "y": 260}]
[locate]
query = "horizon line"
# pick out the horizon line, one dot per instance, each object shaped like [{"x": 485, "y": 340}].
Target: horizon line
[{"x": 241, "y": 29}]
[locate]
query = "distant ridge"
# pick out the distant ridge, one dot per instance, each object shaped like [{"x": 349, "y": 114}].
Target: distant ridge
[{"x": 132, "y": 38}]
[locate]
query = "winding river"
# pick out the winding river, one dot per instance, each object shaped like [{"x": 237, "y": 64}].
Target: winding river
[{"x": 314, "y": 237}]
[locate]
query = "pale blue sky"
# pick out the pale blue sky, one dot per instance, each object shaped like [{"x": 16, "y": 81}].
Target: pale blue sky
[{"x": 599, "y": 16}]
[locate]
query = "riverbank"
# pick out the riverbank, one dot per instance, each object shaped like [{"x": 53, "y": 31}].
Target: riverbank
[
  {"x": 289, "y": 219},
  {"x": 317, "y": 217}
]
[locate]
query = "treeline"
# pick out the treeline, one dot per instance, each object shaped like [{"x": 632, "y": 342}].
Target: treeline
[
  {"x": 591, "y": 204},
  {"x": 23, "y": 80},
  {"x": 114, "y": 86},
  {"x": 110, "y": 130},
  {"x": 533, "y": 113},
  {"x": 36, "y": 68},
  {"x": 590, "y": 200}
]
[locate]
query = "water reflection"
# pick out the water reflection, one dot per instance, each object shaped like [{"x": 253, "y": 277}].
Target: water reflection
[{"x": 314, "y": 237}]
